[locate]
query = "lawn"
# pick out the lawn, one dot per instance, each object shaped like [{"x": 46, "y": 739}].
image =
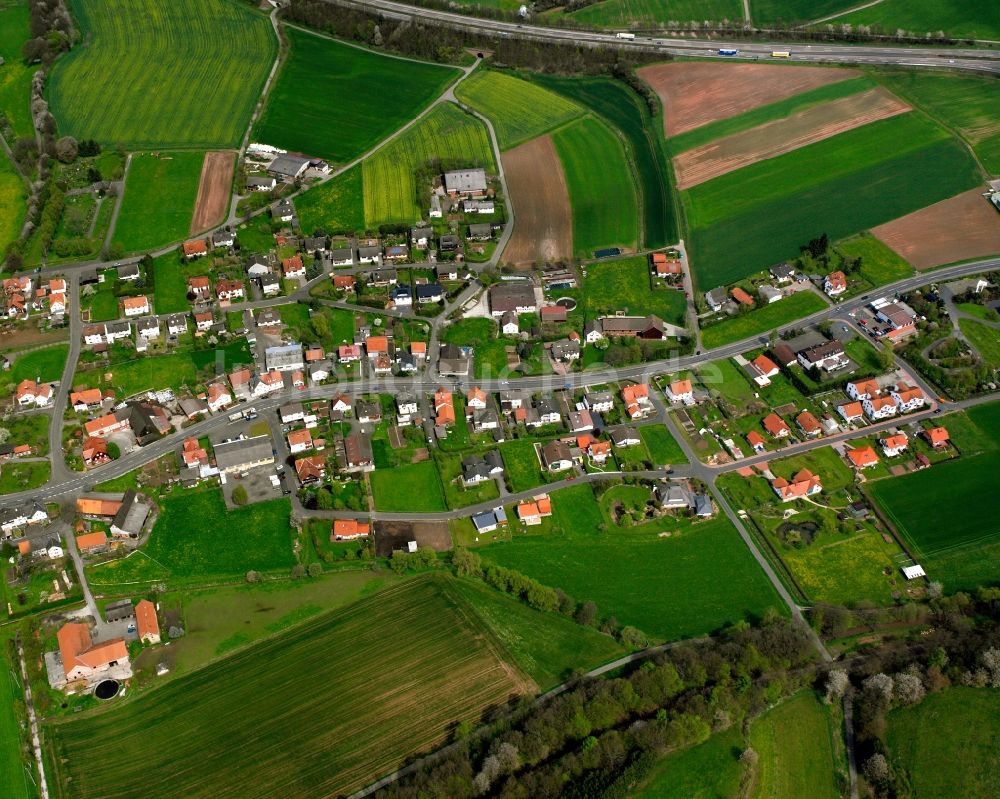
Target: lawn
[
  {"x": 150, "y": 74},
  {"x": 985, "y": 338},
  {"x": 840, "y": 186},
  {"x": 384, "y": 92},
  {"x": 159, "y": 198},
  {"x": 414, "y": 488},
  {"x": 521, "y": 465},
  {"x": 164, "y": 371},
  {"x": 696, "y": 580},
  {"x": 624, "y": 285},
  {"x": 473, "y": 332},
  {"x": 949, "y": 739},
  {"x": 618, "y": 105},
  {"x": 518, "y": 110},
  {"x": 708, "y": 771},
  {"x": 196, "y": 539},
  {"x": 447, "y": 136},
  {"x": 15, "y": 77},
  {"x": 977, "y": 19},
  {"x": 336, "y": 206},
  {"x": 879, "y": 264},
  {"x": 170, "y": 279},
  {"x": 603, "y": 200},
  {"x": 387, "y": 677},
  {"x": 800, "y": 750},
  {"x": 978, "y": 311},
  {"x": 662, "y": 446},
  {"x": 23, "y": 476},
  {"x": 763, "y": 319},
  {"x": 45, "y": 364}
]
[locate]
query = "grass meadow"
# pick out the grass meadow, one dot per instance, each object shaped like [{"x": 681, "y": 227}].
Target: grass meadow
[
  {"x": 521, "y": 465},
  {"x": 181, "y": 74},
  {"x": 336, "y": 206},
  {"x": 518, "y": 110},
  {"x": 799, "y": 748},
  {"x": 23, "y": 476},
  {"x": 159, "y": 198},
  {"x": 696, "y": 580},
  {"x": 839, "y": 186},
  {"x": 622, "y": 108},
  {"x": 322, "y": 709},
  {"x": 795, "y": 11},
  {"x": 15, "y": 77},
  {"x": 619, "y": 13},
  {"x": 948, "y": 740},
  {"x": 447, "y": 137},
  {"x": 12, "y": 200},
  {"x": 603, "y": 200},
  {"x": 624, "y": 285},
  {"x": 415, "y": 487},
  {"x": 985, "y": 338},
  {"x": 14, "y": 773},
  {"x": 763, "y": 319},
  {"x": 879, "y": 263},
  {"x": 662, "y": 446},
  {"x": 710, "y": 770},
  {"x": 45, "y": 364},
  {"x": 380, "y": 94},
  {"x": 976, "y": 19}
]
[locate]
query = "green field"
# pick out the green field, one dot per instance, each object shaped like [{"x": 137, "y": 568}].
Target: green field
[
  {"x": 322, "y": 709},
  {"x": 968, "y": 104},
  {"x": 770, "y": 112},
  {"x": 12, "y": 198},
  {"x": 985, "y": 338},
  {"x": 839, "y": 186},
  {"x": 518, "y": 110},
  {"x": 708, "y": 771},
  {"x": 624, "y": 285},
  {"x": 662, "y": 446},
  {"x": 15, "y": 75},
  {"x": 623, "y": 109},
  {"x": 699, "y": 578},
  {"x": 380, "y": 95},
  {"x": 181, "y": 74},
  {"x": 762, "y": 319},
  {"x": 447, "y": 137},
  {"x": 977, "y": 19},
  {"x": 196, "y": 539},
  {"x": 619, "y": 13},
  {"x": 603, "y": 201},
  {"x": 800, "y": 750},
  {"x": 413, "y": 488},
  {"x": 795, "y": 11},
  {"x": 46, "y": 363},
  {"x": 336, "y": 206},
  {"x": 521, "y": 465},
  {"x": 879, "y": 263},
  {"x": 14, "y": 773},
  {"x": 158, "y": 202},
  {"x": 170, "y": 279},
  {"x": 23, "y": 476},
  {"x": 950, "y": 739}
]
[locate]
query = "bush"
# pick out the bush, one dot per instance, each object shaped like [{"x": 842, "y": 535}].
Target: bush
[{"x": 240, "y": 496}]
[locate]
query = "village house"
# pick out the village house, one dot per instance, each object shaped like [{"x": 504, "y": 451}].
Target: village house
[
  {"x": 894, "y": 444},
  {"x": 937, "y": 437},
  {"x": 808, "y": 424},
  {"x": 769, "y": 294},
  {"x": 340, "y": 256},
  {"x": 349, "y": 530},
  {"x": 372, "y": 254},
  {"x": 283, "y": 211},
  {"x": 420, "y": 237},
  {"x": 229, "y": 290},
  {"x": 203, "y": 321},
  {"x": 135, "y": 306},
  {"x": 195, "y": 249},
  {"x": 829, "y": 356},
  {"x": 862, "y": 457},
  {"x": 637, "y": 401},
  {"x": 580, "y": 422},
  {"x": 242, "y": 454},
  {"x": 429, "y": 292},
  {"x": 761, "y": 369},
  {"x": 199, "y": 287},
  {"x": 29, "y": 393},
  {"x": 776, "y": 426},
  {"x": 851, "y": 411},
  {"x": 396, "y": 252},
  {"x": 599, "y": 401},
  {"x": 358, "y": 453},
  {"x": 803, "y": 484},
  {"x": 82, "y": 659},
  {"x": 259, "y": 183},
  {"x": 223, "y": 238},
  {"x": 490, "y": 520},
  {"x": 879, "y": 407},
  {"x": 835, "y": 284},
  {"x": 531, "y": 513},
  {"x": 647, "y": 328},
  {"x": 293, "y": 267},
  {"x": 349, "y": 353},
  {"x": 509, "y": 324},
  {"x": 680, "y": 391},
  {"x": 624, "y": 437},
  {"x": 476, "y": 469},
  {"x": 863, "y": 389},
  {"x": 664, "y": 267},
  {"x": 444, "y": 408},
  {"x": 543, "y": 411},
  {"x": 517, "y": 298},
  {"x": 95, "y": 452},
  {"x": 756, "y": 441},
  {"x": 565, "y": 350},
  {"x": 907, "y": 398},
  {"x": 299, "y": 441},
  {"x": 783, "y": 272},
  {"x": 467, "y": 183}
]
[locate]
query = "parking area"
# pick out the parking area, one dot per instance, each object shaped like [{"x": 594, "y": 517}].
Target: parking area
[{"x": 258, "y": 484}]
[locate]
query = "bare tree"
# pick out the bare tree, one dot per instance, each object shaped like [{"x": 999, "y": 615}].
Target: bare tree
[{"x": 837, "y": 683}]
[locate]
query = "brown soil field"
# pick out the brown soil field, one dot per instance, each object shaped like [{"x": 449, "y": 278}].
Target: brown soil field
[
  {"x": 214, "y": 189},
  {"x": 695, "y": 94},
  {"x": 772, "y": 139},
  {"x": 966, "y": 226},
  {"x": 543, "y": 230},
  {"x": 390, "y": 536}
]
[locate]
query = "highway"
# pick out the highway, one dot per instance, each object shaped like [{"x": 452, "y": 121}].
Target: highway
[{"x": 968, "y": 59}]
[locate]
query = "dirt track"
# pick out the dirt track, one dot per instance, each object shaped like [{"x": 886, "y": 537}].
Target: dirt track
[
  {"x": 966, "y": 226},
  {"x": 772, "y": 139},
  {"x": 544, "y": 227},
  {"x": 214, "y": 190},
  {"x": 695, "y": 94}
]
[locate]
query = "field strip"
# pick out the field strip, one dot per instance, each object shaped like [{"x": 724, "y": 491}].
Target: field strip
[
  {"x": 782, "y": 136},
  {"x": 842, "y": 13},
  {"x": 214, "y": 187}
]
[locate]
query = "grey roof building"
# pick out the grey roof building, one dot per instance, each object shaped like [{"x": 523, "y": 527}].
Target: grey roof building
[
  {"x": 465, "y": 181},
  {"x": 284, "y": 358},
  {"x": 288, "y": 166},
  {"x": 131, "y": 516},
  {"x": 244, "y": 453},
  {"x": 481, "y": 231},
  {"x": 515, "y": 297},
  {"x": 452, "y": 361}
]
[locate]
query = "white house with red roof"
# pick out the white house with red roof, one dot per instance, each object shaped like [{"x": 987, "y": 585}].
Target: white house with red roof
[
  {"x": 803, "y": 484},
  {"x": 680, "y": 391},
  {"x": 894, "y": 444},
  {"x": 879, "y": 407},
  {"x": 907, "y": 398},
  {"x": 29, "y": 393}
]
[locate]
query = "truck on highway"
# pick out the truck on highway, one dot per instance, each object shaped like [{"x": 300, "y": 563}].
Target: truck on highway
[
  {"x": 781, "y": 54},
  {"x": 728, "y": 51},
  {"x": 624, "y": 35}
]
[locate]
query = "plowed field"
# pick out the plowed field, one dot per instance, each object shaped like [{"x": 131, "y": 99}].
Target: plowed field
[
  {"x": 213, "y": 190},
  {"x": 782, "y": 136},
  {"x": 963, "y": 227},
  {"x": 695, "y": 94},
  {"x": 543, "y": 228}
]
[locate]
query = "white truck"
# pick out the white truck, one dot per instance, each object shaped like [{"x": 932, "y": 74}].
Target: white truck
[{"x": 624, "y": 35}]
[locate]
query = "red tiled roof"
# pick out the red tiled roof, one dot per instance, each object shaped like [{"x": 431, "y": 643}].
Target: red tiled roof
[
  {"x": 145, "y": 619},
  {"x": 862, "y": 457}
]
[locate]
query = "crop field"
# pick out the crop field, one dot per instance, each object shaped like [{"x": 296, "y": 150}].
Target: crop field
[
  {"x": 149, "y": 74},
  {"x": 603, "y": 201},
  {"x": 763, "y": 319},
  {"x": 447, "y": 137},
  {"x": 619, "y": 13},
  {"x": 622, "y": 108},
  {"x": 839, "y": 186},
  {"x": 711, "y": 576},
  {"x": 695, "y": 94},
  {"x": 708, "y": 771},
  {"x": 387, "y": 676},
  {"x": 384, "y": 94},
  {"x": 799, "y": 750},
  {"x": 977, "y": 19},
  {"x": 13, "y": 772},
  {"x": 879, "y": 264},
  {"x": 968, "y": 104},
  {"x": 662, "y": 446},
  {"x": 961, "y": 228},
  {"x": 413, "y": 488},
  {"x": 948, "y": 739},
  {"x": 795, "y": 11},
  {"x": 543, "y": 230},
  {"x": 336, "y": 206},
  {"x": 519, "y": 110},
  {"x": 624, "y": 285},
  {"x": 15, "y": 77},
  {"x": 12, "y": 199},
  {"x": 771, "y": 139},
  {"x": 45, "y": 364},
  {"x": 159, "y": 198}
]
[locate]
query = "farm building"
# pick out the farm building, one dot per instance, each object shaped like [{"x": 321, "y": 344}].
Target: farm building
[
  {"x": 465, "y": 183},
  {"x": 288, "y": 167}
]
